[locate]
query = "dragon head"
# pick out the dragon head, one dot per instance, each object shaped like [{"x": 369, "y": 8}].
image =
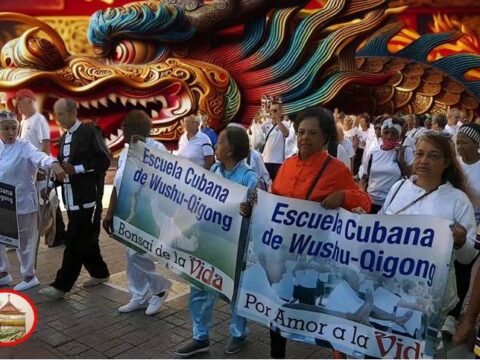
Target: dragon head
[{"x": 134, "y": 76}]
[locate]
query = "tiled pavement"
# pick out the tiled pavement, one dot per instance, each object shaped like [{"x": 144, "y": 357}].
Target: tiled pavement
[{"x": 86, "y": 324}]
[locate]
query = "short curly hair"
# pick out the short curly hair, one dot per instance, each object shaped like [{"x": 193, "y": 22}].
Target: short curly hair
[{"x": 325, "y": 119}]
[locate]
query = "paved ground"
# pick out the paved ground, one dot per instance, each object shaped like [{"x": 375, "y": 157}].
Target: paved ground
[{"x": 86, "y": 323}]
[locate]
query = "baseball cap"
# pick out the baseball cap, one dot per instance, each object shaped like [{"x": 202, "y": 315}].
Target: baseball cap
[{"x": 25, "y": 93}]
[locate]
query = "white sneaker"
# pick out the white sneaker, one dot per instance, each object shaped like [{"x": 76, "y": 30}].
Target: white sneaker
[
  {"x": 52, "y": 293},
  {"x": 450, "y": 325},
  {"x": 7, "y": 279},
  {"x": 25, "y": 285},
  {"x": 155, "y": 303},
  {"x": 132, "y": 306}
]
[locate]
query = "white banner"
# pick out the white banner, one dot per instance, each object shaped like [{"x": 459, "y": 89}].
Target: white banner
[
  {"x": 181, "y": 214},
  {"x": 363, "y": 284}
]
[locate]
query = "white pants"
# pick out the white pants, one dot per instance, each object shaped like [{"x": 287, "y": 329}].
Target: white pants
[
  {"x": 142, "y": 279},
  {"x": 27, "y": 252}
]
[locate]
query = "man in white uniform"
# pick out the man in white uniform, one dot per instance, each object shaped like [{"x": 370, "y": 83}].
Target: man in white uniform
[
  {"x": 276, "y": 132},
  {"x": 149, "y": 289}
]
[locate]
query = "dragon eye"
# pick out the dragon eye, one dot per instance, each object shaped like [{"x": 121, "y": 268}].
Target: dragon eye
[
  {"x": 134, "y": 52},
  {"x": 6, "y": 58}
]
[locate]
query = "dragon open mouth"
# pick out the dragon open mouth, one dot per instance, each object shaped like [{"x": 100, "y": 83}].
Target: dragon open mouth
[
  {"x": 165, "y": 106},
  {"x": 167, "y": 89}
]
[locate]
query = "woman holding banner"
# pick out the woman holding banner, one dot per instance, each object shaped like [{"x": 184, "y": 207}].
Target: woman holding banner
[
  {"x": 438, "y": 188},
  {"x": 19, "y": 163},
  {"x": 232, "y": 148},
  {"x": 314, "y": 175}
]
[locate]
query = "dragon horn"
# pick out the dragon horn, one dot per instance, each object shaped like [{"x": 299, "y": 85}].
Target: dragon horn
[{"x": 47, "y": 29}]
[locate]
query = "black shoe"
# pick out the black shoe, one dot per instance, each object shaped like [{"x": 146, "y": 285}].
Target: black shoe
[
  {"x": 59, "y": 239},
  {"x": 56, "y": 243},
  {"x": 192, "y": 348},
  {"x": 235, "y": 345}
]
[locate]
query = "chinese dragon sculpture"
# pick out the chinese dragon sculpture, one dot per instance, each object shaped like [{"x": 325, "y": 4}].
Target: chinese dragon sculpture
[{"x": 176, "y": 57}]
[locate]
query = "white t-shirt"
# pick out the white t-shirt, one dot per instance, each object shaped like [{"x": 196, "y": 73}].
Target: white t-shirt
[
  {"x": 366, "y": 137},
  {"x": 35, "y": 129},
  {"x": 384, "y": 172},
  {"x": 410, "y": 142},
  {"x": 350, "y": 134},
  {"x": 415, "y": 133},
  {"x": 349, "y": 153},
  {"x": 291, "y": 141},
  {"x": 472, "y": 172},
  {"x": 196, "y": 148},
  {"x": 275, "y": 145},
  {"x": 343, "y": 155},
  {"x": 257, "y": 137},
  {"x": 347, "y": 144},
  {"x": 446, "y": 202},
  {"x": 255, "y": 161},
  {"x": 452, "y": 129},
  {"x": 371, "y": 146}
]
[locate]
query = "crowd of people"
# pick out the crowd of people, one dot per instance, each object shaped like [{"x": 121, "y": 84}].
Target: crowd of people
[{"x": 389, "y": 164}]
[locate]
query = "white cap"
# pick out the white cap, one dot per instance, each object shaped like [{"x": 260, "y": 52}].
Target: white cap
[{"x": 8, "y": 116}]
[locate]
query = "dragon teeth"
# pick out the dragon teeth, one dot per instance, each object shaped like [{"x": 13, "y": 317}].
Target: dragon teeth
[
  {"x": 113, "y": 138},
  {"x": 85, "y": 104},
  {"x": 103, "y": 101},
  {"x": 112, "y": 98},
  {"x": 154, "y": 114},
  {"x": 124, "y": 100}
]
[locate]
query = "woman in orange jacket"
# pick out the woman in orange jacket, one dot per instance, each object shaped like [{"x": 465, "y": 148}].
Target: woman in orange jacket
[{"x": 315, "y": 175}]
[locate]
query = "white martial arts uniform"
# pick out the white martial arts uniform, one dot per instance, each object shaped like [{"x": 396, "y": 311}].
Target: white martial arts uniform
[
  {"x": 143, "y": 280},
  {"x": 19, "y": 163}
]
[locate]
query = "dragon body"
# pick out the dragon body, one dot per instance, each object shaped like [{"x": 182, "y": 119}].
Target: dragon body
[{"x": 177, "y": 57}]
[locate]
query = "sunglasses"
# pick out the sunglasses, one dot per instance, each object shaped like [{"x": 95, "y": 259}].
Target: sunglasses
[{"x": 8, "y": 115}]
